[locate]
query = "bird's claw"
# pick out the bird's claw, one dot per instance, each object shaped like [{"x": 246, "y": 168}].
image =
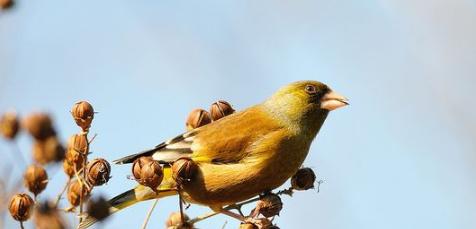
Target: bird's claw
[{"x": 260, "y": 223}]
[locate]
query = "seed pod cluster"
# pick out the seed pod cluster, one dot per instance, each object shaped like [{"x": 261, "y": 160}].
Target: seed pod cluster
[
  {"x": 9, "y": 125},
  {"x": 83, "y": 114},
  {"x": 21, "y": 206},
  {"x": 269, "y": 205},
  {"x": 98, "y": 172},
  {"x": 183, "y": 170},
  {"x": 175, "y": 221},
  {"x": 77, "y": 193},
  {"x": 303, "y": 179},
  {"x": 98, "y": 208},
  {"x": 198, "y": 118},
  {"x": 48, "y": 217},
  {"x": 220, "y": 109},
  {"x": 35, "y": 179}
]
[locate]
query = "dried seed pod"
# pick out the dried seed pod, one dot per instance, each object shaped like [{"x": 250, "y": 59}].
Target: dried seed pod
[
  {"x": 303, "y": 179},
  {"x": 83, "y": 114},
  {"x": 98, "y": 208},
  {"x": 35, "y": 179},
  {"x": 220, "y": 109},
  {"x": 48, "y": 150},
  {"x": 98, "y": 171},
  {"x": 183, "y": 170},
  {"x": 77, "y": 150},
  {"x": 198, "y": 118},
  {"x": 9, "y": 125},
  {"x": 20, "y": 207},
  {"x": 138, "y": 164},
  {"x": 75, "y": 159},
  {"x": 269, "y": 205},
  {"x": 248, "y": 226},
  {"x": 77, "y": 192},
  {"x": 6, "y": 4},
  {"x": 175, "y": 221},
  {"x": 79, "y": 143},
  {"x": 39, "y": 125},
  {"x": 68, "y": 168},
  {"x": 48, "y": 217},
  {"x": 151, "y": 174}
]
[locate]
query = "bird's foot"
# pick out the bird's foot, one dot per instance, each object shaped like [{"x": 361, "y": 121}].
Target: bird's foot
[{"x": 260, "y": 223}]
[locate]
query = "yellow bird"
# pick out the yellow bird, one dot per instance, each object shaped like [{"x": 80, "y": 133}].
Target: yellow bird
[{"x": 244, "y": 154}]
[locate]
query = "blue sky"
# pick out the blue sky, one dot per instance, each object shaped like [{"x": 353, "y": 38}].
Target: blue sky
[{"x": 401, "y": 156}]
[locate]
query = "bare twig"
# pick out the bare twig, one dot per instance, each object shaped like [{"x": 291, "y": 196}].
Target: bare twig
[
  {"x": 147, "y": 217},
  {"x": 58, "y": 198},
  {"x": 237, "y": 206}
]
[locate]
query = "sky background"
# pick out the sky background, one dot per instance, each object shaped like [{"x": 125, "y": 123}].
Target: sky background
[{"x": 402, "y": 155}]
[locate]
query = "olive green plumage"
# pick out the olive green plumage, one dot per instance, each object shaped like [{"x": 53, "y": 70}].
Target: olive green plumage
[{"x": 246, "y": 153}]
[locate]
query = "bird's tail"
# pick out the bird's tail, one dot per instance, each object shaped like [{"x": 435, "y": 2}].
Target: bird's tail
[{"x": 128, "y": 198}]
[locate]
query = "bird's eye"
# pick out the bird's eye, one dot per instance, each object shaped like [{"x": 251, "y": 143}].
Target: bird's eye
[{"x": 310, "y": 89}]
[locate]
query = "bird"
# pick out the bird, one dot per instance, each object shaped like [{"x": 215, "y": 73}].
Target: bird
[{"x": 242, "y": 155}]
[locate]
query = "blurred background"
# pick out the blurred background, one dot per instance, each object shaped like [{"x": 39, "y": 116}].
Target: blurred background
[{"x": 401, "y": 156}]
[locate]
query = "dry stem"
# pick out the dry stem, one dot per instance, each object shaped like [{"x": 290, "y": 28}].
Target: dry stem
[
  {"x": 147, "y": 217},
  {"x": 58, "y": 198}
]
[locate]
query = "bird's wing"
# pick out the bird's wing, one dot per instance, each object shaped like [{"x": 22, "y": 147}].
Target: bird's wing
[
  {"x": 227, "y": 140},
  {"x": 169, "y": 151}
]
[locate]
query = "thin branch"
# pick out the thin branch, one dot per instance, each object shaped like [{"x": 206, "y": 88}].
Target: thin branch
[
  {"x": 147, "y": 217},
  {"x": 58, "y": 198}
]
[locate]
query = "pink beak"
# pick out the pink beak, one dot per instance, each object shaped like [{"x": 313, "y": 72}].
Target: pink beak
[{"x": 333, "y": 100}]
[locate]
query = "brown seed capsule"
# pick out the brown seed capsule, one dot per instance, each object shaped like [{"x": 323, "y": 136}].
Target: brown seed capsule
[
  {"x": 183, "y": 170},
  {"x": 98, "y": 208},
  {"x": 248, "y": 226},
  {"x": 175, "y": 221},
  {"x": 6, "y": 4},
  {"x": 98, "y": 171},
  {"x": 151, "y": 174},
  {"x": 138, "y": 164},
  {"x": 198, "y": 118},
  {"x": 269, "y": 205},
  {"x": 75, "y": 159},
  {"x": 77, "y": 192},
  {"x": 35, "y": 179},
  {"x": 48, "y": 217},
  {"x": 220, "y": 109},
  {"x": 48, "y": 150},
  {"x": 303, "y": 179},
  {"x": 9, "y": 125},
  {"x": 20, "y": 207},
  {"x": 39, "y": 125},
  {"x": 79, "y": 143},
  {"x": 77, "y": 150},
  {"x": 68, "y": 168},
  {"x": 83, "y": 114}
]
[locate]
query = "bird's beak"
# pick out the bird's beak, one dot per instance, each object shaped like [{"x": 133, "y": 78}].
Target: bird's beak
[{"x": 332, "y": 100}]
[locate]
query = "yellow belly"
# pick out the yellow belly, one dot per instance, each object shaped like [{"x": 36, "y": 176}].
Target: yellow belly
[{"x": 224, "y": 184}]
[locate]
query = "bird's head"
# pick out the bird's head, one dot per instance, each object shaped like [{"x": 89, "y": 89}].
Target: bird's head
[{"x": 305, "y": 103}]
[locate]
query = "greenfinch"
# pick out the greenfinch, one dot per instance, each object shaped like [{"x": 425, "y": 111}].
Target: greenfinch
[{"x": 243, "y": 154}]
